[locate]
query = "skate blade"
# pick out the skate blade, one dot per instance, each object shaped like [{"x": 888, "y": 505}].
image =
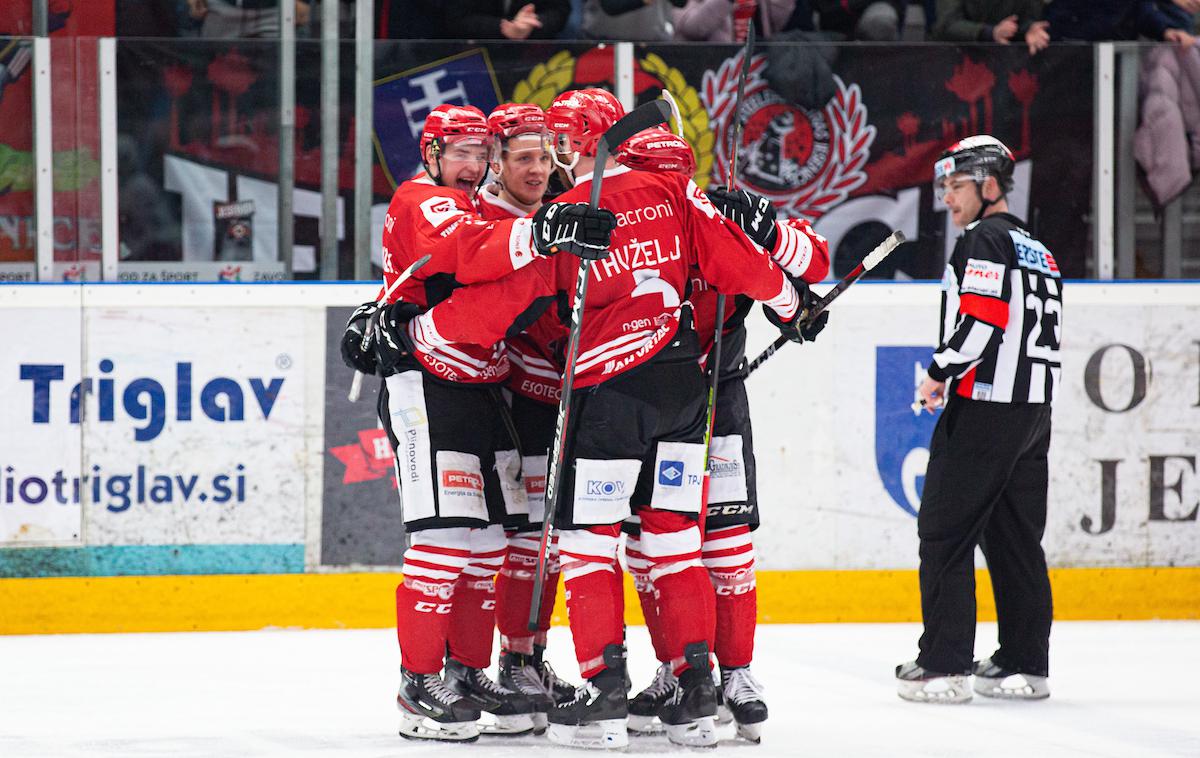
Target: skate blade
[
  {"x": 508, "y": 726},
  {"x": 943, "y": 689},
  {"x": 645, "y": 726},
  {"x": 724, "y": 715},
  {"x": 699, "y": 733},
  {"x": 751, "y": 732},
  {"x": 539, "y": 723},
  {"x": 610, "y": 734},
  {"x": 1015, "y": 687},
  {"x": 414, "y": 727}
]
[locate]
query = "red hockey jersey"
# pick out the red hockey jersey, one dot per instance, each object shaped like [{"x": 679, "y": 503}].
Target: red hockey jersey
[
  {"x": 799, "y": 250},
  {"x": 535, "y": 363},
  {"x": 665, "y": 225},
  {"x": 424, "y": 218}
]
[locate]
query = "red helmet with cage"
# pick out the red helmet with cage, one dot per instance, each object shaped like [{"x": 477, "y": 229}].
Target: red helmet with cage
[
  {"x": 579, "y": 118},
  {"x": 511, "y": 119},
  {"x": 657, "y": 150},
  {"x": 451, "y": 123}
]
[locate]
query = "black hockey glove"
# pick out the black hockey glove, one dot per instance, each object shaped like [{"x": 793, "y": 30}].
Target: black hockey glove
[
  {"x": 352, "y": 353},
  {"x": 754, "y": 213},
  {"x": 392, "y": 344},
  {"x": 574, "y": 228},
  {"x": 798, "y": 330}
]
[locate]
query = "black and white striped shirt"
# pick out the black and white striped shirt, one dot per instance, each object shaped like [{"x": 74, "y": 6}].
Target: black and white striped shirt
[{"x": 1000, "y": 340}]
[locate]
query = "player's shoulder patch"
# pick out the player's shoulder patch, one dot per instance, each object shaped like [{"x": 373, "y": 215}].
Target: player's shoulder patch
[
  {"x": 700, "y": 200},
  {"x": 439, "y": 209},
  {"x": 983, "y": 277}
]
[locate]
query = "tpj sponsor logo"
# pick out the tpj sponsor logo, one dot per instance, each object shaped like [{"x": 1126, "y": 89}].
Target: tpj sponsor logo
[{"x": 670, "y": 473}]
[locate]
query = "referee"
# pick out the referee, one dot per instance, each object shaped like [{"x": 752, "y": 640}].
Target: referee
[{"x": 996, "y": 370}]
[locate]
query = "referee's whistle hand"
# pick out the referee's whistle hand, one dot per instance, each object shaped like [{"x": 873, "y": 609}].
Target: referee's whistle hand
[{"x": 932, "y": 394}]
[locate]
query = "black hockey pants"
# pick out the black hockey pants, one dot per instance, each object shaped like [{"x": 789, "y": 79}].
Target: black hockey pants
[{"x": 986, "y": 485}]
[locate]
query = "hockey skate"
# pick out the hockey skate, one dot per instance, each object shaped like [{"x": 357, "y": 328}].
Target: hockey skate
[
  {"x": 534, "y": 679},
  {"x": 724, "y": 715},
  {"x": 743, "y": 697},
  {"x": 994, "y": 680},
  {"x": 644, "y": 707},
  {"x": 689, "y": 715},
  {"x": 596, "y": 717},
  {"x": 920, "y": 685},
  {"x": 430, "y": 711},
  {"x": 513, "y": 711}
]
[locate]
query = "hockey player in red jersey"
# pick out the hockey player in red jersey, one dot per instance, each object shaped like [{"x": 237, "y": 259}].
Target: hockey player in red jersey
[
  {"x": 457, "y": 464},
  {"x": 637, "y": 431},
  {"x": 727, "y": 551},
  {"x": 521, "y": 164}
]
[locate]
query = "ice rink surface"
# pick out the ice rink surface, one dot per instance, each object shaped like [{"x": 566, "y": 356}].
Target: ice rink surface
[{"x": 1119, "y": 689}]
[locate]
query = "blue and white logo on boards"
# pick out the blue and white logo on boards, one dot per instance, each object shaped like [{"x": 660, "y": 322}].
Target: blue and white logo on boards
[
  {"x": 901, "y": 438},
  {"x": 670, "y": 473}
]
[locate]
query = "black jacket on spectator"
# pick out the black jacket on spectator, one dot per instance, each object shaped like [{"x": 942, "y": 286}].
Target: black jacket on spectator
[
  {"x": 973, "y": 20},
  {"x": 1099, "y": 20},
  {"x": 480, "y": 19}
]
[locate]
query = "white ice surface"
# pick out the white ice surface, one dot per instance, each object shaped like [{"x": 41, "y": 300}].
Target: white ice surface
[{"x": 1119, "y": 689}]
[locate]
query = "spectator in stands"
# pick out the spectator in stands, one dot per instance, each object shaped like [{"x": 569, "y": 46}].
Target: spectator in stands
[
  {"x": 1100, "y": 20},
  {"x": 713, "y": 20},
  {"x": 506, "y": 19},
  {"x": 633, "y": 20},
  {"x": 866, "y": 20},
  {"x": 1001, "y": 21},
  {"x": 243, "y": 18}
]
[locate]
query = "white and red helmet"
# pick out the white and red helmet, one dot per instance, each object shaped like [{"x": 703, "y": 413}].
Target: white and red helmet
[
  {"x": 657, "y": 150},
  {"x": 454, "y": 123},
  {"x": 577, "y": 119},
  {"x": 510, "y": 119}
]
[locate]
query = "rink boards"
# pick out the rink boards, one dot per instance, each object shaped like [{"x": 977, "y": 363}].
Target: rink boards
[{"x": 184, "y": 457}]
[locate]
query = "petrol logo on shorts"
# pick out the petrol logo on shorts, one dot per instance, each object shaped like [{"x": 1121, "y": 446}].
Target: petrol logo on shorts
[
  {"x": 462, "y": 480},
  {"x": 670, "y": 473},
  {"x": 901, "y": 438},
  {"x": 535, "y": 485}
]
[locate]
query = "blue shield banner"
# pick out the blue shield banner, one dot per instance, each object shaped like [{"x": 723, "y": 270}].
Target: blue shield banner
[
  {"x": 901, "y": 437},
  {"x": 402, "y": 102}
]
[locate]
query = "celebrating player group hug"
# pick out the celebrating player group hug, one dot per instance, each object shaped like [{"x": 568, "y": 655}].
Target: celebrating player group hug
[
  {"x": 545, "y": 366},
  {"x": 559, "y": 374}
]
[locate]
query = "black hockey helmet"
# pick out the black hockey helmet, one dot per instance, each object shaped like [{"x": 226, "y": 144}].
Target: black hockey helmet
[{"x": 978, "y": 157}]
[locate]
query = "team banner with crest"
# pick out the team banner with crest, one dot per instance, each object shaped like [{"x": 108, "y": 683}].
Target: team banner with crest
[{"x": 855, "y": 156}]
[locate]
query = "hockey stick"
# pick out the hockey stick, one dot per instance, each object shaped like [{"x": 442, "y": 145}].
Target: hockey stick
[
  {"x": 369, "y": 334},
  {"x": 644, "y": 117},
  {"x": 883, "y": 250},
  {"x": 714, "y": 355}
]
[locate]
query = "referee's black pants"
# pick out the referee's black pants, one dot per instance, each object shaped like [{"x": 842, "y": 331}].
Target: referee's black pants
[{"x": 986, "y": 485}]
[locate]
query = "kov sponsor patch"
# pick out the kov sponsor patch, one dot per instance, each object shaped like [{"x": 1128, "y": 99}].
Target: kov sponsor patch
[{"x": 983, "y": 277}]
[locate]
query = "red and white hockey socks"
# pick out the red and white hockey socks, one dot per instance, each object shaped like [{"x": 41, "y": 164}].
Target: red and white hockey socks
[
  {"x": 432, "y": 565},
  {"x": 728, "y": 554},
  {"x": 670, "y": 543},
  {"x": 473, "y": 616},
  {"x": 639, "y": 569},
  {"x": 595, "y": 602},
  {"x": 514, "y": 592}
]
